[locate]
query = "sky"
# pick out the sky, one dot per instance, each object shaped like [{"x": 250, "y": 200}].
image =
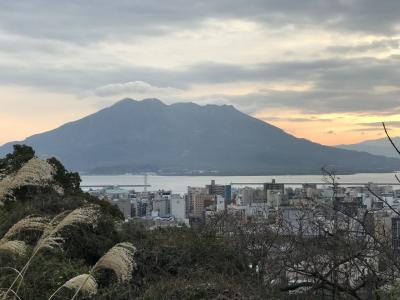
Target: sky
[{"x": 324, "y": 70}]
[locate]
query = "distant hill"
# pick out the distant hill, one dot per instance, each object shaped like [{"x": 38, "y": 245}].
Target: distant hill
[
  {"x": 185, "y": 138},
  {"x": 377, "y": 147}
]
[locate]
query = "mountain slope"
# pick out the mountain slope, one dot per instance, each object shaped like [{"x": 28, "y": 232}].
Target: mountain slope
[
  {"x": 377, "y": 147},
  {"x": 137, "y": 136}
]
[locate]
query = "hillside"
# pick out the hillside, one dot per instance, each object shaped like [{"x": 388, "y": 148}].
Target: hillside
[
  {"x": 185, "y": 138},
  {"x": 376, "y": 147},
  {"x": 53, "y": 233}
]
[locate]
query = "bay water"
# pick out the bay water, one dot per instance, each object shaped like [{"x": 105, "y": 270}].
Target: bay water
[{"x": 179, "y": 184}]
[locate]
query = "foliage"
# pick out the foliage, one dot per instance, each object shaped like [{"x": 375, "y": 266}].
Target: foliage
[
  {"x": 201, "y": 286},
  {"x": 391, "y": 293},
  {"x": 69, "y": 181},
  {"x": 104, "y": 258},
  {"x": 14, "y": 161},
  {"x": 25, "y": 218}
]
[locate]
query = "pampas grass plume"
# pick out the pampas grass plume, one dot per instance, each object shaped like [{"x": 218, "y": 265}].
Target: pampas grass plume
[
  {"x": 15, "y": 247},
  {"x": 119, "y": 259}
]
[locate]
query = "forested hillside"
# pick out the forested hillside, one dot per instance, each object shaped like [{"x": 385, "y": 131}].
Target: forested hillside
[{"x": 38, "y": 196}]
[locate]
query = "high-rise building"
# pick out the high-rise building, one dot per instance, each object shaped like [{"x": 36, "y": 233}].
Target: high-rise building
[
  {"x": 220, "y": 190},
  {"x": 124, "y": 206},
  {"x": 273, "y": 192},
  {"x": 161, "y": 205},
  {"x": 273, "y": 186},
  {"x": 178, "y": 207},
  {"x": 220, "y": 203},
  {"x": 190, "y": 194},
  {"x": 215, "y": 189},
  {"x": 200, "y": 202},
  {"x": 228, "y": 194}
]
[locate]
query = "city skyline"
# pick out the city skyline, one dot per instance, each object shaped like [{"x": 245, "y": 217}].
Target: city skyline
[{"x": 326, "y": 71}]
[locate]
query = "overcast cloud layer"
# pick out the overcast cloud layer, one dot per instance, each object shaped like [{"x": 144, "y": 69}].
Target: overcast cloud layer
[{"x": 309, "y": 57}]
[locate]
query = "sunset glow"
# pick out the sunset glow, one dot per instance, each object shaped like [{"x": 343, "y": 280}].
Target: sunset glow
[{"x": 314, "y": 71}]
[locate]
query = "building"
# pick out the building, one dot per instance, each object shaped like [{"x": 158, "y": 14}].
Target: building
[
  {"x": 140, "y": 207},
  {"x": 200, "y": 203},
  {"x": 119, "y": 197},
  {"x": 247, "y": 196},
  {"x": 274, "y": 193},
  {"x": 274, "y": 198},
  {"x": 161, "y": 205},
  {"x": 220, "y": 190},
  {"x": 116, "y": 193},
  {"x": 178, "y": 207},
  {"x": 190, "y": 194},
  {"x": 124, "y": 206},
  {"x": 220, "y": 203},
  {"x": 228, "y": 194},
  {"x": 215, "y": 189}
]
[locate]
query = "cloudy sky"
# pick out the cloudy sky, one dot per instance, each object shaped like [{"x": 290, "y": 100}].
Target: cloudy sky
[{"x": 328, "y": 70}]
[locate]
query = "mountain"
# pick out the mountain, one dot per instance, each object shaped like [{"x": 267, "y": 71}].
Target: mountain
[
  {"x": 185, "y": 138},
  {"x": 377, "y": 147}
]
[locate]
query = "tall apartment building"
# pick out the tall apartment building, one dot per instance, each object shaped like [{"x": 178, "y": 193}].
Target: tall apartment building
[
  {"x": 220, "y": 190},
  {"x": 274, "y": 192},
  {"x": 190, "y": 194},
  {"x": 215, "y": 189},
  {"x": 140, "y": 207},
  {"x": 200, "y": 202}
]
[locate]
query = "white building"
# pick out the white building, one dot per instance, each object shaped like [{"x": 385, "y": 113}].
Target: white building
[
  {"x": 178, "y": 207},
  {"x": 220, "y": 203},
  {"x": 160, "y": 206}
]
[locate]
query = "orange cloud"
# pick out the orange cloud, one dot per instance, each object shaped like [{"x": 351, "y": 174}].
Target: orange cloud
[{"x": 331, "y": 129}]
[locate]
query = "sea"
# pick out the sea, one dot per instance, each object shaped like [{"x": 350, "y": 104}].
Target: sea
[{"x": 179, "y": 184}]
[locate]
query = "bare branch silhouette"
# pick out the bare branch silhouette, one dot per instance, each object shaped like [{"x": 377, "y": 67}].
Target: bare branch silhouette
[{"x": 390, "y": 139}]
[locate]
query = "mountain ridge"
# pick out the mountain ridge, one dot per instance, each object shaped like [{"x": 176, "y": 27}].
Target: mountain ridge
[
  {"x": 186, "y": 138},
  {"x": 380, "y": 146}
]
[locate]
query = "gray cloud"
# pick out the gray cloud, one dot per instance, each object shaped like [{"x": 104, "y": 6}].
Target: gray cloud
[
  {"x": 320, "y": 101},
  {"x": 85, "y": 21},
  {"x": 339, "y": 85},
  {"x": 59, "y": 28},
  {"x": 329, "y": 75},
  {"x": 383, "y": 44}
]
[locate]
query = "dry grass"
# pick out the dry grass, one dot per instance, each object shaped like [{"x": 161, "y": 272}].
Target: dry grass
[
  {"x": 15, "y": 247},
  {"x": 52, "y": 237},
  {"x": 87, "y": 283},
  {"x": 29, "y": 223},
  {"x": 119, "y": 259},
  {"x": 84, "y": 282}
]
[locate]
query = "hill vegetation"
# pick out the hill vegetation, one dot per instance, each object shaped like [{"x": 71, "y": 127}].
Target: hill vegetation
[
  {"x": 57, "y": 242},
  {"x": 178, "y": 263}
]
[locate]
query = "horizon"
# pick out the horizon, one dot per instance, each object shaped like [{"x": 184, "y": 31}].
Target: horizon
[
  {"x": 2, "y": 143},
  {"x": 321, "y": 70}
]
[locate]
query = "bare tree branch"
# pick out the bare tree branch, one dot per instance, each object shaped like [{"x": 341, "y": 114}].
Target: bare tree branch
[{"x": 390, "y": 139}]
